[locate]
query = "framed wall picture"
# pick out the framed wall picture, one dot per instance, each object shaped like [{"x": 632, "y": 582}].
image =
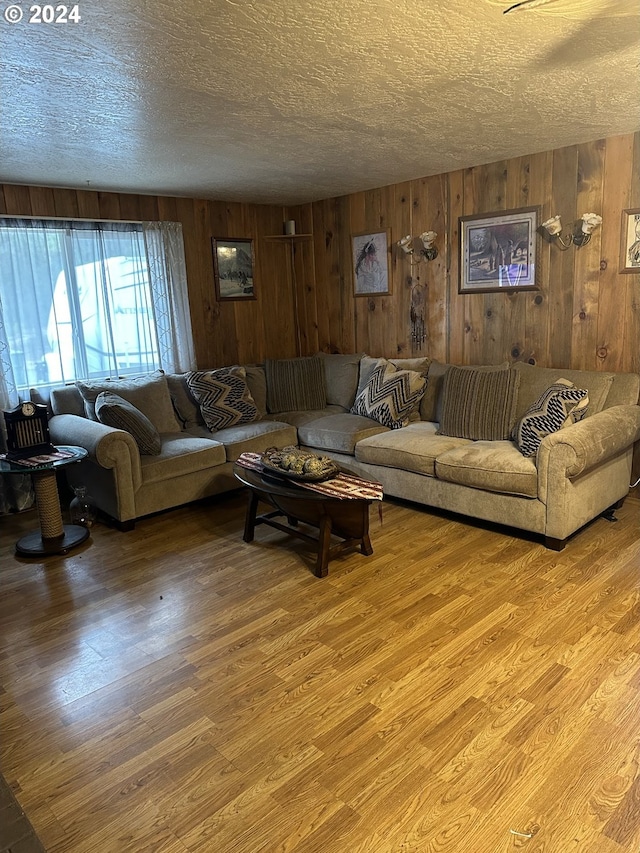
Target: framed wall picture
[
  {"x": 233, "y": 267},
  {"x": 370, "y": 263},
  {"x": 630, "y": 244},
  {"x": 498, "y": 251}
]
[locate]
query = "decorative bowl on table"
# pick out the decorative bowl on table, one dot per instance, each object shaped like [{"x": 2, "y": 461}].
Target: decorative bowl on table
[{"x": 294, "y": 464}]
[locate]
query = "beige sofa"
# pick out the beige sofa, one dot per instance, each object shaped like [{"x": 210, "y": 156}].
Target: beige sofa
[{"x": 579, "y": 472}]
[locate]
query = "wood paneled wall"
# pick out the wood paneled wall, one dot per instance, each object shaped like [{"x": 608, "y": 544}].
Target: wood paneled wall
[
  {"x": 224, "y": 333},
  {"x": 585, "y": 315}
]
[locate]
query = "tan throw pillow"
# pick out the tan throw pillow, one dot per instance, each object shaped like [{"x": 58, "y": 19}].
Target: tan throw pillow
[
  {"x": 479, "y": 404},
  {"x": 224, "y": 397},
  {"x": 149, "y": 393},
  {"x": 295, "y": 384},
  {"x": 114, "y": 411},
  {"x": 390, "y": 395},
  {"x": 561, "y": 405}
]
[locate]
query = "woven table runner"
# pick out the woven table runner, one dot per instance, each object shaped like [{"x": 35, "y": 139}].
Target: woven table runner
[{"x": 340, "y": 486}]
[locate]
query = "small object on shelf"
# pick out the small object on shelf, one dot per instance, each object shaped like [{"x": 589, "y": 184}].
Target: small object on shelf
[
  {"x": 80, "y": 508},
  {"x": 290, "y": 227}
]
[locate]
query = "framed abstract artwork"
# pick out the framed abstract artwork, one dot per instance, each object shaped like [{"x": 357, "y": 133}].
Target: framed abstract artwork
[{"x": 498, "y": 251}]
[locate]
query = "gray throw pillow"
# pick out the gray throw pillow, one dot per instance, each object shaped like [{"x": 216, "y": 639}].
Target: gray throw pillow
[
  {"x": 295, "y": 384},
  {"x": 224, "y": 397},
  {"x": 149, "y": 393},
  {"x": 341, "y": 375},
  {"x": 114, "y": 411},
  {"x": 479, "y": 404},
  {"x": 185, "y": 405}
]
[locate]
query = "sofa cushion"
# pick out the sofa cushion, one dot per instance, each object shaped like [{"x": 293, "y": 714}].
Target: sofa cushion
[
  {"x": 535, "y": 380},
  {"x": 429, "y": 403},
  {"x": 254, "y": 437},
  {"x": 257, "y": 382},
  {"x": 182, "y": 454},
  {"x": 185, "y": 405},
  {"x": 295, "y": 384},
  {"x": 114, "y": 411},
  {"x": 341, "y": 377},
  {"x": 390, "y": 395},
  {"x": 369, "y": 363},
  {"x": 560, "y": 405},
  {"x": 339, "y": 433},
  {"x": 149, "y": 393},
  {"x": 414, "y": 448},
  {"x": 479, "y": 404},
  {"x": 495, "y": 466},
  {"x": 41, "y": 397},
  {"x": 298, "y": 419},
  {"x": 67, "y": 400},
  {"x": 223, "y": 396}
]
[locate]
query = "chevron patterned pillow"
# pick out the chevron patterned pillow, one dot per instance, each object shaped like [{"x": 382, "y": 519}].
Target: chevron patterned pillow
[
  {"x": 390, "y": 395},
  {"x": 561, "y": 405},
  {"x": 224, "y": 396}
]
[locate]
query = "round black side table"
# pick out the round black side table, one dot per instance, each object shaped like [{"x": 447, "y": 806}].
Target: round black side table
[{"x": 53, "y": 537}]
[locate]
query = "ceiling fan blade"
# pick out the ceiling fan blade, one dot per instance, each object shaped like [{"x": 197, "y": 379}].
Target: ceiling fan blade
[{"x": 523, "y": 5}]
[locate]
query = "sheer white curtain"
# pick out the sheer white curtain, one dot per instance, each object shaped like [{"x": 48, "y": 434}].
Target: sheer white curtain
[{"x": 168, "y": 277}]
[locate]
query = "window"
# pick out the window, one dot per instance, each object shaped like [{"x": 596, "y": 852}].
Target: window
[{"x": 91, "y": 299}]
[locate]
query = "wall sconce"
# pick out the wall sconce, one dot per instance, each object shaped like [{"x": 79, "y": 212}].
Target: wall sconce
[
  {"x": 428, "y": 252},
  {"x": 581, "y": 234}
]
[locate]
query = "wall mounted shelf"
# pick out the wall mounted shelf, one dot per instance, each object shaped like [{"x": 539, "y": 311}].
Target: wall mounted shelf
[{"x": 287, "y": 236}]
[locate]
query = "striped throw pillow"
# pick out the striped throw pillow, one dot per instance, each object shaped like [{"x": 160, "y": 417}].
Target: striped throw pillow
[
  {"x": 479, "y": 404},
  {"x": 295, "y": 384},
  {"x": 114, "y": 411}
]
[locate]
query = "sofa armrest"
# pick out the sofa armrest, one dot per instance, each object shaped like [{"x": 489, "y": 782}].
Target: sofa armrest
[
  {"x": 108, "y": 447},
  {"x": 580, "y": 447}
]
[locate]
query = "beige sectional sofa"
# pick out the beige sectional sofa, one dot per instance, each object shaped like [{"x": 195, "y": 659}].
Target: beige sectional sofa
[{"x": 578, "y": 472}]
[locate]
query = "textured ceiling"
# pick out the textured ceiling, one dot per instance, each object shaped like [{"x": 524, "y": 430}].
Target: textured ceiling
[{"x": 268, "y": 101}]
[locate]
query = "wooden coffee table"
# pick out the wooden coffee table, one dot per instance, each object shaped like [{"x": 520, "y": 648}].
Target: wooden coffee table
[{"x": 347, "y": 518}]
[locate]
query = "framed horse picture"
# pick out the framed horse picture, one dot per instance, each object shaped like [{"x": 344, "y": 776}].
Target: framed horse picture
[{"x": 498, "y": 251}]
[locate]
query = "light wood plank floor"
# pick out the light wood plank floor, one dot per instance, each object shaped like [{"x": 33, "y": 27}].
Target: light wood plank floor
[{"x": 175, "y": 689}]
